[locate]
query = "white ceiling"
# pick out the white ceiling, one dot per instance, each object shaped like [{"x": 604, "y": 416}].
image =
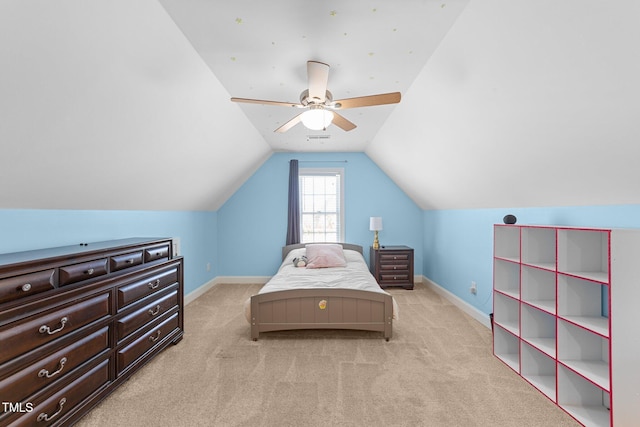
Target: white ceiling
[
  {"x": 113, "y": 104},
  {"x": 259, "y": 49}
]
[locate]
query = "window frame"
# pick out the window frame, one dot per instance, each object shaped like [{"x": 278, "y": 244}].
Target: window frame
[{"x": 325, "y": 171}]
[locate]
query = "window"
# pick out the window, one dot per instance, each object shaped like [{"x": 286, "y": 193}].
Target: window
[{"x": 321, "y": 205}]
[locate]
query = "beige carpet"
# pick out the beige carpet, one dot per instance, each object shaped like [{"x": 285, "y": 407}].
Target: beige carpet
[{"x": 437, "y": 370}]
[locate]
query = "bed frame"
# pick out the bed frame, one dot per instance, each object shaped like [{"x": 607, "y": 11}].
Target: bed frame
[{"x": 321, "y": 308}]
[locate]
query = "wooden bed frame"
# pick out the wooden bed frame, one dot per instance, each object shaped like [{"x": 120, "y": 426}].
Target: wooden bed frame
[{"x": 329, "y": 308}]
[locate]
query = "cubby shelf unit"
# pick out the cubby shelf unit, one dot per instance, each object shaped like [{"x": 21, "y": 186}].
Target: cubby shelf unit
[{"x": 565, "y": 312}]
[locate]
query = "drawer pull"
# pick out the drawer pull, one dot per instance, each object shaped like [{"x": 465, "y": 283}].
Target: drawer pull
[
  {"x": 154, "y": 338},
  {"x": 130, "y": 261},
  {"x": 89, "y": 271},
  {"x": 45, "y": 328},
  {"x": 45, "y": 373},
  {"x": 26, "y": 287},
  {"x": 155, "y": 311},
  {"x": 154, "y": 285},
  {"x": 47, "y": 418},
  {"x": 395, "y": 257}
]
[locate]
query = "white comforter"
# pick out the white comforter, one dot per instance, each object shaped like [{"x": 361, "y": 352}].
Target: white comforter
[{"x": 355, "y": 275}]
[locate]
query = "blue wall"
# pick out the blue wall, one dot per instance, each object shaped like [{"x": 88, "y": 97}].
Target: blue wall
[
  {"x": 252, "y": 224},
  {"x": 458, "y": 244},
  {"x": 22, "y": 230}
]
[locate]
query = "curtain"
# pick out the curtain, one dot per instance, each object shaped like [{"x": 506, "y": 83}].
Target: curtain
[{"x": 293, "y": 222}]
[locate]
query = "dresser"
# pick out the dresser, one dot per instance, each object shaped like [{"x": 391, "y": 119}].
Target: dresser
[
  {"x": 77, "y": 321},
  {"x": 392, "y": 266}
]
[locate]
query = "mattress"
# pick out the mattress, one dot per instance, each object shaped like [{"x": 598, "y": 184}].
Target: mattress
[{"x": 355, "y": 275}]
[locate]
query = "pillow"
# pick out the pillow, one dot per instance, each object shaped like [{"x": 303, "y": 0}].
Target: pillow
[{"x": 325, "y": 255}]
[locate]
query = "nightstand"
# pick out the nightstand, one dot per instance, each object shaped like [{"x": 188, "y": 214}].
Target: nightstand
[{"x": 392, "y": 266}]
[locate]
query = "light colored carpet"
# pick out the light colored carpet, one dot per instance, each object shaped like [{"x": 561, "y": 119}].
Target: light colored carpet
[{"x": 437, "y": 370}]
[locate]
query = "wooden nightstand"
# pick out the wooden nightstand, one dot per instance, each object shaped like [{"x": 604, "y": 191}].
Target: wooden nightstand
[{"x": 392, "y": 266}]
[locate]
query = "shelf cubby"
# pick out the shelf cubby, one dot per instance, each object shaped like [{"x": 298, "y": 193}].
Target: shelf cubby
[
  {"x": 506, "y": 313},
  {"x": 539, "y": 369},
  {"x": 506, "y": 347},
  {"x": 584, "y": 303},
  {"x": 586, "y": 402},
  {"x": 539, "y": 288},
  {"x": 584, "y": 253},
  {"x": 539, "y": 247},
  {"x": 507, "y": 242},
  {"x": 538, "y": 328},
  {"x": 584, "y": 352},
  {"x": 506, "y": 277}
]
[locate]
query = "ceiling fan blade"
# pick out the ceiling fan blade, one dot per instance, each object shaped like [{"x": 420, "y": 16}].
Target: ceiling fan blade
[
  {"x": 318, "y": 75},
  {"x": 260, "y": 101},
  {"x": 291, "y": 123},
  {"x": 342, "y": 122},
  {"x": 367, "y": 101}
]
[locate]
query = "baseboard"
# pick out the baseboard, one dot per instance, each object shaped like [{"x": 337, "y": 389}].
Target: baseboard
[
  {"x": 480, "y": 316},
  {"x": 195, "y": 294}
]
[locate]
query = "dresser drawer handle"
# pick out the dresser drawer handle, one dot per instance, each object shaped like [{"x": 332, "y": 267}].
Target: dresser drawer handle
[
  {"x": 395, "y": 257},
  {"x": 47, "y": 418},
  {"x": 154, "y": 338},
  {"x": 26, "y": 287},
  {"x": 45, "y": 373},
  {"x": 45, "y": 328},
  {"x": 89, "y": 271},
  {"x": 155, "y": 311},
  {"x": 154, "y": 285},
  {"x": 130, "y": 261}
]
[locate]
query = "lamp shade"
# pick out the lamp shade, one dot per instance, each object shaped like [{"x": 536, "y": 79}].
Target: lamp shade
[
  {"x": 317, "y": 118},
  {"x": 375, "y": 223}
]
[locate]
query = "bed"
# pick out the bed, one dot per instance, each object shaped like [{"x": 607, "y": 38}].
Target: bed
[{"x": 341, "y": 297}]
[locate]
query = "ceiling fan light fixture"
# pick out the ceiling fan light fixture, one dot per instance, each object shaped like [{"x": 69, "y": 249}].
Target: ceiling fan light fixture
[{"x": 317, "y": 118}]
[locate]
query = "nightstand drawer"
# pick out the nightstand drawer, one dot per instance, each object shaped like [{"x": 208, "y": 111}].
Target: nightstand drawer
[{"x": 393, "y": 257}]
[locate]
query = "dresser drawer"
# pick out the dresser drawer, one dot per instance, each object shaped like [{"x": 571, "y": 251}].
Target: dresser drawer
[
  {"x": 146, "y": 286},
  {"x": 129, "y": 354},
  {"x": 62, "y": 402},
  {"x": 83, "y": 271},
  {"x": 27, "y": 284},
  {"x": 120, "y": 262},
  {"x": 156, "y": 253},
  {"x": 140, "y": 317},
  {"x": 20, "y": 337},
  {"x": 53, "y": 367}
]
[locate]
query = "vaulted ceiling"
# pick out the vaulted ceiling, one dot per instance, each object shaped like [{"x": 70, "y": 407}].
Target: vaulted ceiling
[{"x": 125, "y": 105}]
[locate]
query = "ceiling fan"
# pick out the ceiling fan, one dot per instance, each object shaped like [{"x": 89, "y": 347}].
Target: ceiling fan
[{"x": 320, "y": 108}]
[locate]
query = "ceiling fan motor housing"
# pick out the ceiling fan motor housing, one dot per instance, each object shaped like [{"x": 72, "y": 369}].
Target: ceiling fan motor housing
[{"x": 306, "y": 100}]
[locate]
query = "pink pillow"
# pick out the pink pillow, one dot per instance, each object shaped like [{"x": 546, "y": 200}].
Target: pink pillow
[{"x": 325, "y": 255}]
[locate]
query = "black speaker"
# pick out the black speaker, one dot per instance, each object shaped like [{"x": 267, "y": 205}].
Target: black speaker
[{"x": 509, "y": 219}]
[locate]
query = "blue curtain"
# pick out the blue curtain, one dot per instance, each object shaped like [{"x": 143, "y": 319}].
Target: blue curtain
[{"x": 293, "y": 223}]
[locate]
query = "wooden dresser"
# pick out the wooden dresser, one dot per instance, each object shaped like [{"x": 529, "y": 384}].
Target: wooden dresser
[
  {"x": 392, "y": 266},
  {"x": 77, "y": 321}
]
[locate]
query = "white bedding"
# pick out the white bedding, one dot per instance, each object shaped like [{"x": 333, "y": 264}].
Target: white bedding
[{"x": 355, "y": 275}]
